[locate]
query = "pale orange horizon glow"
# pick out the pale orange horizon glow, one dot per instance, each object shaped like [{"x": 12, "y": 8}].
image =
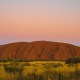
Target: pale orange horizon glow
[{"x": 39, "y": 23}]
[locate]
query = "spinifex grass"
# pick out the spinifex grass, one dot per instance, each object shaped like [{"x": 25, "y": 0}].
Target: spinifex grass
[{"x": 39, "y": 70}]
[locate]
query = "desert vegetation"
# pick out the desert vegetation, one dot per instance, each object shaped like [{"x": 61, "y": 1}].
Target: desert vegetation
[
  {"x": 73, "y": 60},
  {"x": 40, "y": 70}
]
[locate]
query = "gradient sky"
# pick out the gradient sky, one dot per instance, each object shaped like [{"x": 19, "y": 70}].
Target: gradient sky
[{"x": 32, "y": 20}]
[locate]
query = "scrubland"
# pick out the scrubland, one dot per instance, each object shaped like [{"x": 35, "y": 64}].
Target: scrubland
[{"x": 39, "y": 70}]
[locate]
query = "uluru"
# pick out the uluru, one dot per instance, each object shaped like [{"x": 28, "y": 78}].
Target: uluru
[{"x": 39, "y": 50}]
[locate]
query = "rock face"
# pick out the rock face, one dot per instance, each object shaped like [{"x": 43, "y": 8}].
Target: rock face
[{"x": 39, "y": 50}]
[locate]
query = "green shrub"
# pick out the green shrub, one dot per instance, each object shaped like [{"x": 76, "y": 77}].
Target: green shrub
[{"x": 72, "y": 61}]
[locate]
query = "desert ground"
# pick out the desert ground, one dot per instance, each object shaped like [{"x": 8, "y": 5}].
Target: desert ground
[{"x": 39, "y": 70}]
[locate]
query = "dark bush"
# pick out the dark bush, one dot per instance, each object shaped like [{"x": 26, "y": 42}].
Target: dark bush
[{"x": 72, "y": 61}]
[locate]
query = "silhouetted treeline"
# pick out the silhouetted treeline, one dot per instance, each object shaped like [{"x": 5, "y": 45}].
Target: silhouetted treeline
[{"x": 25, "y": 60}]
